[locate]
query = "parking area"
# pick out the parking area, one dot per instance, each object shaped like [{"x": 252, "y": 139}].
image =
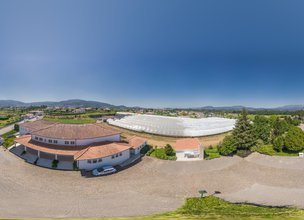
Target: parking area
[{"x": 148, "y": 187}]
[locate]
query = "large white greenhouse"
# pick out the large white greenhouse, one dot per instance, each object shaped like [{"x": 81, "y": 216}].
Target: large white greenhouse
[{"x": 174, "y": 126}]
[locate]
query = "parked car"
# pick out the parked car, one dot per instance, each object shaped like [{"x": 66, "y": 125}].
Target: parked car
[
  {"x": 103, "y": 171},
  {"x": 1, "y": 141}
]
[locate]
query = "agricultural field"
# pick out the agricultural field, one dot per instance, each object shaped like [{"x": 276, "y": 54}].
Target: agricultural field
[
  {"x": 65, "y": 116},
  {"x": 10, "y": 116},
  {"x": 9, "y": 138}
]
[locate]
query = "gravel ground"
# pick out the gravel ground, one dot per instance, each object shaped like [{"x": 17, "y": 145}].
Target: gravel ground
[{"x": 151, "y": 186}]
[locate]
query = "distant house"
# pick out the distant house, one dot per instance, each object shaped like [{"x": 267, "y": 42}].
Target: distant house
[
  {"x": 88, "y": 145},
  {"x": 189, "y": 148}
]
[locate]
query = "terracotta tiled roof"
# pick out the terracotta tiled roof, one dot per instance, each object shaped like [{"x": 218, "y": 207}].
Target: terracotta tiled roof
[
  {"x": 76, "y": 131},
  {"x": 136, "y": 141},
  {"x": 48, "y": 148},
  {"x": 187, "y": 144},
  {"x": 37, "y": 125},
  {"x": 101, "y": 150},
  {"x": 93, "y": 151}
]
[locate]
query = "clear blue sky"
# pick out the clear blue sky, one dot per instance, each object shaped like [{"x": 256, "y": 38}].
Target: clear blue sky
[{"x": 156, "y": 53}]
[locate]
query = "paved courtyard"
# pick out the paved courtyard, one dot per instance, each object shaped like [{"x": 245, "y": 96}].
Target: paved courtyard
[{"x": 150, "y": 186}]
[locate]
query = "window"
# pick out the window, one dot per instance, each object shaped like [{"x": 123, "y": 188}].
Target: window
[
  {"x": 36, "y": 138},
  {"x": 116, "y": 155},
  {"x": 89, "y": 161},
  {"x": 50, "y": 141},
  {"x": 113, "y": 156},
  {"x": 120, "y": 154},
  {"x": 66, "y": 142},
  {"x": 100, "y": 160},
  {"x": 40, "y": 139},
  {"x": 55, "y": 142},
  {"x": 94, "y": 161},
  {"x": 72, "y": 142}
]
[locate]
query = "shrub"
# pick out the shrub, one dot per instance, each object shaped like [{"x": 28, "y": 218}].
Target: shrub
[
  {"x": 211, "y": 153},
  {"x": 278, "y": 143},
  {"x": 55, "y": 163},
  {"x": 228, "y": 146},
  {"x": 16, "y": 127},
  {"x": 266, "y": 149},
  {"x": 146, "y": 149},
  {"x": 169, "y": 150},
  {"x": 149, "y": 152},
  {"x": 160, "y": 153},
  {"x": 294, "y": 139}
]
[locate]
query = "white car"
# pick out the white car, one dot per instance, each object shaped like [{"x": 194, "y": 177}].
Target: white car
[{"x": 103, "y": 171}]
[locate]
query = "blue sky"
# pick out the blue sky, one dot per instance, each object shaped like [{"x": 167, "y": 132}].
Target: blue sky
[{"x": 158, "y": 53}]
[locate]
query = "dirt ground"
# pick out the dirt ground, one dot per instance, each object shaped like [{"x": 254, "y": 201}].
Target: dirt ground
[
  {"x": 160, "y": 141},
  {"x": 151, "y": 186}
]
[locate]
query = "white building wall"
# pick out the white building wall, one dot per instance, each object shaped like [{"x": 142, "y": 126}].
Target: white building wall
[
  {"x": 83, "y": 142},
  {"x": 137, "y": 150},
  {"x": 112, "y": 138},
  {"x": 84, "y": 165}
]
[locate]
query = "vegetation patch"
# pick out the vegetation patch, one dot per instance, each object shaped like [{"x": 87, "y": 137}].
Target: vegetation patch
[
  {"x": 55, "y": 164},
  {"x": 70, "y": 119},
  {"x": 9, "y": 138},
  {"x": 213, "y": 207},
  {"x": 211, "y": 153},
  {"x": 166, "y": 153},
  {"x": 274, "y": 135},
  {"x": 269, "y": 150}
]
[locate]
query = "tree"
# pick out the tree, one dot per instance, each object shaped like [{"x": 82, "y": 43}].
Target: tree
[
  {"x": 16, "y": 127},
  {"x": 169, "y": 150},
  {"x": 228, "y": 146},
  {"x": 294, "y": 139},
  {"x": 278, "y": 143},
  {"x": 262, "y": 129},
  {"x": 243, "y": 132},
  {"x": 279, "y": 127}
]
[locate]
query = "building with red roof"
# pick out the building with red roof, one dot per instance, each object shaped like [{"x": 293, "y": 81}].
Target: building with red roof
[{"x": 88, "y": 145}]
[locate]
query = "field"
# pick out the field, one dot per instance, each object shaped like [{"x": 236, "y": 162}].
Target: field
[
  {"x": 75, "y": 118},
  {"x": 9, "y": 138},
  {"x": 10, "y": 116},
  {"x": 80, "y": 120}
]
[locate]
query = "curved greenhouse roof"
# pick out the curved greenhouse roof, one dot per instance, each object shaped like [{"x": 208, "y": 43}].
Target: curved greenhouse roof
[{"x": 174, "y": 126}]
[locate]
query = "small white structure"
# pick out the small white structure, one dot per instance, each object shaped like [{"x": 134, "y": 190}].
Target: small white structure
[
  {"x": 189, "y": 148},
  {"x": 301, "y": 154}
]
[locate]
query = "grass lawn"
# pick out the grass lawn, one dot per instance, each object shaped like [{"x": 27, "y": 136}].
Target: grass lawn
[
  {"x": 214, "y": 208},
  {"x": 70, "y": 120},
  {"x": 9, "y": 138},
  {"x": 268, "y": 150},
  {"x": 211, "y": 153}
]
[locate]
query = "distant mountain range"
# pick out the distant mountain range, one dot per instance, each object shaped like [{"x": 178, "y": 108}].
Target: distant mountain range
[
  {"x": 66, "y": 103},
  {"x": 96, "y": 104},
  {"x": 239, "y": 107}
]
